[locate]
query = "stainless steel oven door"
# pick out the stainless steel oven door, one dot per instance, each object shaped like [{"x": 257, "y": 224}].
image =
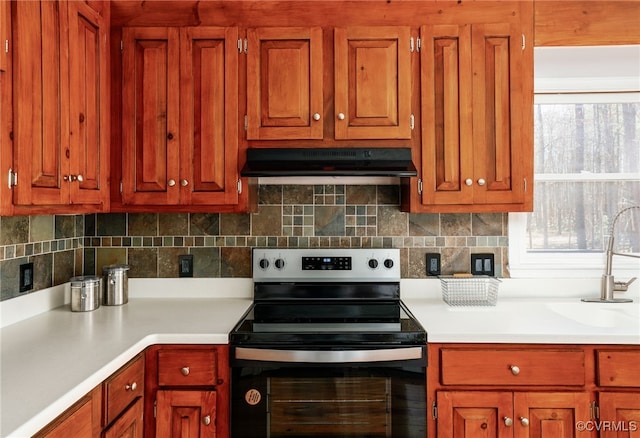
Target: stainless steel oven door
[{"x": 328, "y": 393}]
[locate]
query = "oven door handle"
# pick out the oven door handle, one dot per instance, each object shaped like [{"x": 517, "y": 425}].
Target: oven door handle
[{"x": 328, "y": 356}]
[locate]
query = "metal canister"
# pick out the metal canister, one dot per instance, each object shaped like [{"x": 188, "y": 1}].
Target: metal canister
[
  {"x": 116, "y": 285},
  {"x": 86, "y": 293}
]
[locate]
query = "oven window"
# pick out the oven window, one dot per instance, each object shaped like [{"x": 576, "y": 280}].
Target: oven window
[{"x": 317, "y": 407}]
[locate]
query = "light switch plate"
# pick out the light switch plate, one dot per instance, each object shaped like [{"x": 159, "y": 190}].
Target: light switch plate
[{"x": 483, "y": 264}]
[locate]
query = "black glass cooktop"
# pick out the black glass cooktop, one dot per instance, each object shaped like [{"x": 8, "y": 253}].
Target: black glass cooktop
[{"x": 328, "y": 322}]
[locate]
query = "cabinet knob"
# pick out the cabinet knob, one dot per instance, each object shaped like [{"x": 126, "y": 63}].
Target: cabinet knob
[
  {"x": 171, "y": 183},
  {"x": 481, "y": 182},
  {"x": 508, "y": 421},
  {"x": 515, "y": 369},
  {"x": 185, "y": 371},
  {"x": 316, "y": 117},
  {"x": 524, "y": 421},
  {"x": 184, "y": 183},
  {"x": 66, "y": 178},
  {"x": 206, "y": 420},
  {"x": 468, "y": 181},
  {"x": 131, "y": 387},
  {"x": 80, "y": 178},
  {"x": 340, "y": 116}
]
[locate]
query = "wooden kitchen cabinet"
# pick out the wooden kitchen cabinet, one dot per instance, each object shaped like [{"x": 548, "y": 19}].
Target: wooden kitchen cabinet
[
  {"x": 60, "y": 107},
  {"x": 82, "y": 420},
  {"x": 622, "y": 413},
  {"x": 6, "y": 147},
  {"x": 5, "y": 14},
  {"x": 371, "y": 81},
  {"x": 179, "y": 117},
  {"x": 130, "y": 424},
  {"x": 510, "y": 414},
  {"x": 477, "y": 117},
  {"x": 124, "y": 401},
  {"x": 190, "y": 388},
  {"x": 284, "y": 83},
  {"x": 509, "y": 390}
]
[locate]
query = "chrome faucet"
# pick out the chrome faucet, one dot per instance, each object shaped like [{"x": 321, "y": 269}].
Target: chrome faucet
[{"x": 608, "y": 284}]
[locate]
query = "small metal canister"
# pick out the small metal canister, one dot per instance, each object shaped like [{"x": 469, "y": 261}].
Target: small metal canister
[
  {"x": 116, "y": 285},
  {"x": 85, "y": 293}
]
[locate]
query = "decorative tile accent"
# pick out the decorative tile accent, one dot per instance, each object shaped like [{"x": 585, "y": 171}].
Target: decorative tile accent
[{"x": 335, "y": 216}]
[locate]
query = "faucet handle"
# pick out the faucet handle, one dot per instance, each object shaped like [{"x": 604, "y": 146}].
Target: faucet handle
[{"x": 622, "y": 286}]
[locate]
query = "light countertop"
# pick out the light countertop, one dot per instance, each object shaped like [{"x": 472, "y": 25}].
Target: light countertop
[{"x": 51, "y": 359}]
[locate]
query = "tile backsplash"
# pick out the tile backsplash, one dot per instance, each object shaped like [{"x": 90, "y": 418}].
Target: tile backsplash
[{"x": 299, "y": 216}]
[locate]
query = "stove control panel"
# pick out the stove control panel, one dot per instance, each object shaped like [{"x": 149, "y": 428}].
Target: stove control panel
[{"x": 326, "y": 264}]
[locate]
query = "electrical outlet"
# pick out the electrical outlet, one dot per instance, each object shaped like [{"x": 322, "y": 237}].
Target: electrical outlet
[
  {"x": 185, "y": 265},
  {"x": 433, "y": 264},
  {"x": 26, "y": 277},
  {"x": 483, "y": 264}
]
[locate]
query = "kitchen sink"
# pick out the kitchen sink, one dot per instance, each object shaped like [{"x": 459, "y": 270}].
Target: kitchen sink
[{"x": 623, "y": 315}]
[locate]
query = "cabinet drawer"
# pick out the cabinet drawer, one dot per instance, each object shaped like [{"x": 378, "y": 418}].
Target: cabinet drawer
[
  {"x": 187, "y": 367},
  {"x": 512, "y": 367},
  {"x": 618, "y": 368},
  {"x": 123, "y": 387}
]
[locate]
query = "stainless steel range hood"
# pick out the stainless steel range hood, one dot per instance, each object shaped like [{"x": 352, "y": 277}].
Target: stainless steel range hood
[{"x": 370, "y": 162}]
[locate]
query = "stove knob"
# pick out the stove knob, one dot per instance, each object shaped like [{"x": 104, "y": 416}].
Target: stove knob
[
  {"x": 388, "y": 263},
  {"x": 279, "y": 263},
  {"x": 373, "y": 263},
  {"x": 264, "y": 263}
]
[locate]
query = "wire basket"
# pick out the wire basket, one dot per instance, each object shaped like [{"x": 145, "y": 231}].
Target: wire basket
[{"x": 478, "y": 290}]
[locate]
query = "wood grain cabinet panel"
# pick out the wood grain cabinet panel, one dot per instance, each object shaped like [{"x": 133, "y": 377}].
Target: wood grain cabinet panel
[
  {"x": 187, "y": 368},
  {"x": 474, "y": 150},
  {"x": 82, "y": 420},
  {"x": 60, "y": 111},
  {"x": 129, "y": 425},
  {"x": 621, "y": 411},
  {"x": 284, "y": 83},
  {"x": 513, "y": 367},
  {"x": 179, "y": 116},
  {"x": 123, "y": 388},
  {"x": 186, "y": 414},
  {"x": 618, "y": 368},
  {"x": 372, "y": 82}
]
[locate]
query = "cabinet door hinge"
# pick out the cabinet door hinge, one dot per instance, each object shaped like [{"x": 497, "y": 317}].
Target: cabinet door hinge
[
  {"x": 524, "y": 43},
  {"x": 434, "y": 411},
  {"x": 411, "y": 46},
  {"x": 121, "y": 46},
  {"x": 525, "y": 185},
  {"x": 120, "y": 186},
  {"x": 418, "y": 44},
  {"x": 239, "y": 186},
  {"x": 594, "y": 410},
  {"x": 12, "y": 178},
  {"x": 420, "y": 187},
  {"x": 239, "y": 45},
  {"x": 245, "y": 46},
  {"x": 155, "y": 408},
  {"x": 412, "y": 121},
  {"x": 6, "y": 46},
  {"x": 246, "y": 122}
]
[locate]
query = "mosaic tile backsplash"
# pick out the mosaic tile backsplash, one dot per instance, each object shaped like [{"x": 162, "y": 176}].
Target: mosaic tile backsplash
[{"x": 299, "y": 216}]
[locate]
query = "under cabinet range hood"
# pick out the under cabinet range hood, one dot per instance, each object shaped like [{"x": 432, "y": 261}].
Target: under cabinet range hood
[{"x": 279, "y": 162}]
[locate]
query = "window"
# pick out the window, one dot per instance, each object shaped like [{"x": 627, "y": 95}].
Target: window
[{"x": 587, "y": 164}]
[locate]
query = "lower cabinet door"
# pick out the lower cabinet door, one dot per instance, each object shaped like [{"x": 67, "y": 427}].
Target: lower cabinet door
[
  {"x": 551, "y": 414},
  {"x": 129, "y": 425},
  {"x": 186, "y": 414},
  {"x": 469, "y": 414},
  {"x": 619, "y": 414}
]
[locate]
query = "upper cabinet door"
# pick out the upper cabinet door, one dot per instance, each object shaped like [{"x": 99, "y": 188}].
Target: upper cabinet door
[
  {"x": 372, "y": 83},
  {"x": 447, "y": 137},
  {"x": 150, "y": 116},
  {"x": 497, "y": 62},
  {"x": 5, "y": 13},
  {"x": 284, "y": 83},
  {"x": 88, "y": 105},
  {"x": 40, "y": 86},
  {"x": 209, "y": 116}
]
